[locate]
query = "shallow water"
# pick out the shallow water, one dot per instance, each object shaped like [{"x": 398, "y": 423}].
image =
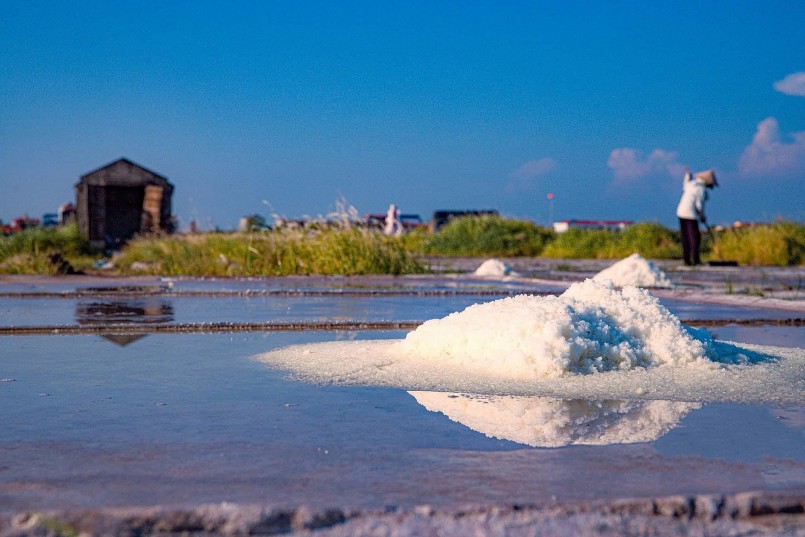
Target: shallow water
[
  {"x": 48, "y": 311},
  {"x": 178, "y": 419}
]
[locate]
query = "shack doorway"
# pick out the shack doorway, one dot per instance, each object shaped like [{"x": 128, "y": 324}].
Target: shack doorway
[{"x": 124, "y": 205}]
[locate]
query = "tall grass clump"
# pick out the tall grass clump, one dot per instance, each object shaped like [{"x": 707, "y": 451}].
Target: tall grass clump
[
  {"x": 488, "y": 235},
  {"x": 778, "y": 244},
  {"x": 347, "y": 251},
  {"x": 29, "y": 251},
  {"x": 649, "y": 239}
]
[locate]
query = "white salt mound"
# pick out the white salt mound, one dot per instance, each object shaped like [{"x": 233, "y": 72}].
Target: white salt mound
[
  {"x": 553, "y": 422},
  {"x": 592, "y": 327},
  {"x": 775, "y": 376},
  {"x": 494, "y": 267},
  {"x": 634, "y": 270},
  {"x": 592, "y": 342}
]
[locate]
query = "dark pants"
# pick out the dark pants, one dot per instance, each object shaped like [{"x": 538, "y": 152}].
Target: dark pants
[{"x": 691, "y": 238}]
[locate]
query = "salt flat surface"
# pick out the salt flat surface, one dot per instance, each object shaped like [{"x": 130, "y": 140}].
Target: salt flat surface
[
  {"x": 379, "y": 363},
  {"x": 634, "y": 270},
  {"x": 593, "y": 341},
  {"x": 191, "y": 418}
]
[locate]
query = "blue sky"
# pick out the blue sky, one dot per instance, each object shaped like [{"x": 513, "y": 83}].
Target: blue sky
[{"x": 293, "y": 105}]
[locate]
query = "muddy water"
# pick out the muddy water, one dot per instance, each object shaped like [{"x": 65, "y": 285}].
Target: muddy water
[{"x": 179, "y": 419}]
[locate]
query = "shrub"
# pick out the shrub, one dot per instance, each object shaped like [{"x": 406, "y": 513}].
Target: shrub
[
  {"x": 28, "y": 251},
  {"x": 269, "y": 253},
  {"x": 776, "y": 244},
  {"x": 649, "y": 239},
  {"x": 488, "y": 236}
]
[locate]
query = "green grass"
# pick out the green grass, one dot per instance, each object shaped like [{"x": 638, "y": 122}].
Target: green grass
[
  {"x": 780, "y": 244},
  {"x": 651, "y": 240},
  {"x": 27, "y": 252},
  {"x": 268, "y": 253},
  {"x": 363, "y": 251},
  {"x": 488, "y": 236}
]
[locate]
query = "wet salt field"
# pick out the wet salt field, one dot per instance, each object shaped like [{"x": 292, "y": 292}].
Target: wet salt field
[{"x": 146, "y": 418}]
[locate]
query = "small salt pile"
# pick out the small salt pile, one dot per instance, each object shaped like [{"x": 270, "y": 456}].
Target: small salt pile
[
  {"x": 553, "y": 422},
  {"x": 494, "y": 267},
  {"x": 592, "y": 327},
  {"x": 634, "y": 270}
]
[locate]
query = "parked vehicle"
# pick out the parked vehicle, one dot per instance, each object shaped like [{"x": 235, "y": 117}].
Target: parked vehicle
[{"x": 50, "y": 220}]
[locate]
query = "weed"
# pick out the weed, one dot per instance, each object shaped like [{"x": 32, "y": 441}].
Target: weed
[
  {"x": 778, "y": 244},
  {"x": 649, "y": 239},
  {"x": 488, "y": 236},
  {"x": 269, "y": 253},
  {"x": 30, "y": 251},
  {"x": 56, "y": 527},
  {"x": 754, "y": 291}
]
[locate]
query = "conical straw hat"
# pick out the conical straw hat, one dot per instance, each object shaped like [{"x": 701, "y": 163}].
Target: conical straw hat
[{"x": 708, "y": 177}]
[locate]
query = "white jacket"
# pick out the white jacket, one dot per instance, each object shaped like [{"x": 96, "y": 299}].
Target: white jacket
[{"x": 694, "y": 196}]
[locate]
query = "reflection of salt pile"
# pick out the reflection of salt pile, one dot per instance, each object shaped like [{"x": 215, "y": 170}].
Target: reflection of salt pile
[
  {"x": 551, "y": 422},
  {"x": 634, "y": 270},
  {"x": 494, "y": 267},
  {"x": 591, "y": 327}
]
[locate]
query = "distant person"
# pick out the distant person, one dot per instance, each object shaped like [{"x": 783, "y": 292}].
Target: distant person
[
  {"x": 393, "y": 225},
  {"x": 691, "y": 211}
]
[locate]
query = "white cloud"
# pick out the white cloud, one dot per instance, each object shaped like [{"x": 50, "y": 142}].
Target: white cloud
[
  {"x": 627, "y": 164},
  {"x": 769, "y": 156},
  {"x": 523, "y": 178},
  {"x": 793, "y": 84}
]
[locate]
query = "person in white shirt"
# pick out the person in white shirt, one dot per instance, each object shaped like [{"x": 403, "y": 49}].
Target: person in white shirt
[
  {"x": 691, "y": 211},
  {"x": 393, "y": 226}
]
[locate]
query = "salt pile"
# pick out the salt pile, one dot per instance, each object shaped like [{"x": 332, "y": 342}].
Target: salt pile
[
  {"x": 591, "y": 327},
  {"x": 592, "y": 342},
  {"x": 494, "y": 267},
  {"x": 553, "y": 422},
  {"x": 634, "y": 270}
]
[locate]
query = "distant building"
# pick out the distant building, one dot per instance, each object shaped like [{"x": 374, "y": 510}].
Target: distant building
[
  {"x": 122, "y": 199},
  {"x": 66, "y": 214},
  {"x": 613, "y": 225}
]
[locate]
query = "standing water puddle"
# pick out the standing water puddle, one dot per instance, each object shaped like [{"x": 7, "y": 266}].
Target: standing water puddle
[{"x": 182, "y": 419}]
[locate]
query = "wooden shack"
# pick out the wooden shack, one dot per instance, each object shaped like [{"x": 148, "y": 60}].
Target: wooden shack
[{"x": 122, "y": 199}]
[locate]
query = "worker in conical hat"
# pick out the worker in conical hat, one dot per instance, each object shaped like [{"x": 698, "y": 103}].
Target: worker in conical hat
[
  {"x": 708, "y": 178},
  {"x": 691, "y": 211}
]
